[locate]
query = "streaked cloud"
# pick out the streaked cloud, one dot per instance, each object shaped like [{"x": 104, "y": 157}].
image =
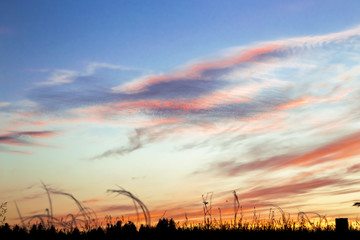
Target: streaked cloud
[
  {"x": 135, "y": 142},
  {"x": 22, "y": 138},
  {"x": 63, "y": 76},
  {"x": 290, "y": 189},
  {"x": 4, "y": 104},
  {"x": 336, "y": 150},
  {"x": 247, "y": 92}
]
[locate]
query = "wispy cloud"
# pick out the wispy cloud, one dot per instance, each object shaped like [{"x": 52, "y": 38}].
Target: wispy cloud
[
  {"x": 4, "y": 104},
  {"x": 286, "y": 190},
  {"x": 201, "y": 80},
  {"x": 63, "y": 76},
  {"x": 135, "y": 142},
  {"x": 23, "y": 138},
  {"x": 336, "y": 150},
  {"x": 291, "y": 87},
  {"x": 94, "y": 66}
]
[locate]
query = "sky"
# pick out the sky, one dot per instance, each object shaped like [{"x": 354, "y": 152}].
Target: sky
[{"x": 180, "y": 102}]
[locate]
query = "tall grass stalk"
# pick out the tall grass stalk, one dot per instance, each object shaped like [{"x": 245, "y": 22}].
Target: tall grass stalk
[
  {"x": 236, "y": 206},
  {"x": 50, "y": 217},
  {"x": 19, "y": 213},
  {"x": 88, "y": 216},
  {"x": 136, "y": 201},
  {"x": 3, "y": 210},
  {"x": 207, "y": 208}
]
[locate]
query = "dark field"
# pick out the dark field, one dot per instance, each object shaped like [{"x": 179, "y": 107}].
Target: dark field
[{"x": 166, "y": 228}]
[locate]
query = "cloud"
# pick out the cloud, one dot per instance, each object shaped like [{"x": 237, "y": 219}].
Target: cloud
[
  {"x": 354, "y": 168},
  {"x": 265, "y": 88},
  {"x": 23, "y": 138},
  {"x": 206, "y": 70},
  {"x": 92, "y": 201},
  {"x": 14, "y": 151},
  {"x": 61, "y": 76},
  {"x": 65, "y": 76},
  {"x": 135, "y": 142},
  {"x": 336, "y": 150},
  {"x": 93, "y": 67},
  {"x": 4, "y": 104},
  {"x": 117, "y": 208},
  {"x": 200, "y": 84},
  {"x": 286, "y": 190}
]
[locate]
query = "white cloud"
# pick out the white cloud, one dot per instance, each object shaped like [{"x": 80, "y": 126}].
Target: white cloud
[
  {"x": 94, "y": 66},
  {"x": 62, "y": 76},
  {"x": 4, "y": 104}
]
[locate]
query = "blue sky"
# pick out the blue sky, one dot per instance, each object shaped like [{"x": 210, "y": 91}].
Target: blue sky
[
  {"x": 172, "y": 93},
  {"x": 158, "y": 35}
]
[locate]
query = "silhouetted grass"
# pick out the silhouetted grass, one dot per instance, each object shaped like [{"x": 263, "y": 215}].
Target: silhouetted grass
[
  {"x": 168, "y": 228},
  {"x": 136, "y": 201},
  {"x": 85, "y": 224}
]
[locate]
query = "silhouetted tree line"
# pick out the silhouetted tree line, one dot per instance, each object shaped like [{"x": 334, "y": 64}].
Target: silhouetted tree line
[
  {"x": 164, "y": 227},
  {"x": 111, "y": 231}
]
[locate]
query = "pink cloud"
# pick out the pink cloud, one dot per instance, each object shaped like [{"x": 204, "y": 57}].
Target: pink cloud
[
  {"x": 251, "y": 54},
  {"x": 23, "y": 138},
  {"x": 289, "y": 189},
  {"x": 346, "y": 147},
  {"x": 91, "y": 201},
  {"x": 296, "y": 103},
  {"x": 332, "y": 152},
  {"x": 354, "y": 168},
  {"x": 196, "y": 69},
  {"x": 314, "y": 100}
]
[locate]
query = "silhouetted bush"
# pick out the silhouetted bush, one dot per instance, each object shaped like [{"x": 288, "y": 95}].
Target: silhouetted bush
[
  {"x": 129, "y": 227},
  {"x": 166, "y": 225}
]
